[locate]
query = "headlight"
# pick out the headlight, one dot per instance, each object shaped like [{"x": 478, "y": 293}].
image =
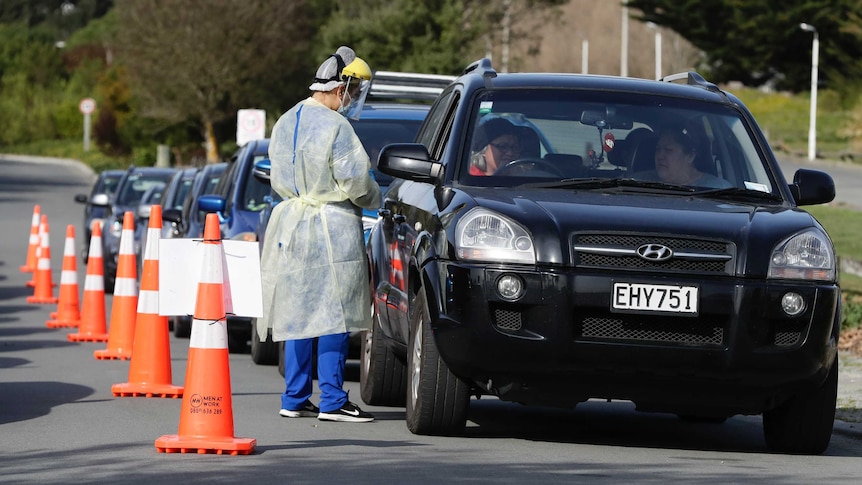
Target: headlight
[
  {"x": 483, "y": 235},
  {"x": 805, "y": 256},
  {"x": 117, "y": 228}
]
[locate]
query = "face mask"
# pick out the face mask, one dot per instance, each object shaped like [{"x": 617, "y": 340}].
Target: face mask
[{"x": 345, "y": 103}]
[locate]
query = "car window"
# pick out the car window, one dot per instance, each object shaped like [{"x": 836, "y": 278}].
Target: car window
[
  {"x": 138, "y": 183},
  {"x": 182, "y": 191},
  {"x": 254, "y": 191},
  {"x": 375, "y": 134},
  {"x": 107, "y": 184},
  {"x": 563, "y": 135},
  {"x": 434, "y": 120}
]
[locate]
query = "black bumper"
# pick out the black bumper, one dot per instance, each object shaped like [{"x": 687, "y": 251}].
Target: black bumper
[{"x": 560, "y": 343}]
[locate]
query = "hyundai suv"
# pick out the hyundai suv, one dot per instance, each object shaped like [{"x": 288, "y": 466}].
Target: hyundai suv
[{"x": 580, "y": 269}]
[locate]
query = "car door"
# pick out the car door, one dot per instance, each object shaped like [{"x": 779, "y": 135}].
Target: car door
[{"x": 400, "y": 215}]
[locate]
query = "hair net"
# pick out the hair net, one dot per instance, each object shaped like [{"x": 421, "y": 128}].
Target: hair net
[{"x": 328, "y": 75}]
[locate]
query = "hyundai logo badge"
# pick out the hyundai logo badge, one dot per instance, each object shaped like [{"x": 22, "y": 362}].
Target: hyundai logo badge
[{"x": 655, "y": 252}]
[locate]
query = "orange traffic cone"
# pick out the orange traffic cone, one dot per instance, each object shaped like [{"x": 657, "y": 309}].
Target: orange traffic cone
[
  {"x": 121, "y": 333},
  {"x": 150, "y": 369},
  {"x": 68, "y": 309},
  {"x": 44, "y": 292},
  {"x": 206, "y": 416},
  {"x": 32, "y": 259},
  {"x": 93, "y": 327}
]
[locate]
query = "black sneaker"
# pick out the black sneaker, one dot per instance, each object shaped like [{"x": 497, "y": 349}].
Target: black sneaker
[
  {"x": 349, "y": 413},
  {"x": 307, "y": 410}
]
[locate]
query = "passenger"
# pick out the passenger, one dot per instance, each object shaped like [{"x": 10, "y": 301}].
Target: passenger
[
  {"x": 677, "y": 153},
  {"x": 497, "y": 144},
  {"x": 313, "y": 266}
]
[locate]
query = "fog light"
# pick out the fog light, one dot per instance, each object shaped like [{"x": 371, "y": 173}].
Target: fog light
[
  {"x": 510, "y": 287},
  {"x": 792, "y": 303}
]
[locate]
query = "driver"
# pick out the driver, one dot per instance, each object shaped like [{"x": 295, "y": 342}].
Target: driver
[{"x": 495, "y": 144}]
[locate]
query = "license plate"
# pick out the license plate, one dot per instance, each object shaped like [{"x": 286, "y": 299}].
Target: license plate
[{"x": 654, "y": 298}]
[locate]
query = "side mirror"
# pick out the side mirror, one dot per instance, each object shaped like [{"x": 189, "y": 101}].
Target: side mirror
[
  {"x": 144, "y": 211},
  {"x": 261, "y": 170},
  {"x": 173, "y": 215},
  {"x": 211, "y": 203},
  {"x": 410, "y": 161},
  {"x": 812, "y": 187},
  {"x": 101, "y": 200}
]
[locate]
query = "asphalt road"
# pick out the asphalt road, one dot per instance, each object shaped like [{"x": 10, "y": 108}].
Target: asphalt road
[{"x": 59, "y": 422}]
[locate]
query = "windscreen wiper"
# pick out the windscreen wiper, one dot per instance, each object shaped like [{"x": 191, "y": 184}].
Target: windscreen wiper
[
  {"x": 603, "y": 183},
  {"x": 736, "y": 193}
]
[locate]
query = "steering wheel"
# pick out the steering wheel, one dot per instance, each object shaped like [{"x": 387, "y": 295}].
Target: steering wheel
[{"x": 522, "y": 165}]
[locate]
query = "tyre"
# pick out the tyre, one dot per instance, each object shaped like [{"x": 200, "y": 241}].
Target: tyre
[
  {"x": 263, "y": 353},
  {"x": 803, "y": 425},
  {"x": 382, "y": 376},
  {"x": 182, "y": 326},
  {"x": 437, "y": 401}
]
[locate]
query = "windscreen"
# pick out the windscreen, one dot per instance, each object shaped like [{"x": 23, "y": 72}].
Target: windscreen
[{"x": 522, "y": 136}]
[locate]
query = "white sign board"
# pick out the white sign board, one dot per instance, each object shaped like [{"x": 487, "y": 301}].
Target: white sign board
[
  {"x": 87, "y": 106},
  {"x": 250, "y": 125},
  {"x": 180, "y": 268}
]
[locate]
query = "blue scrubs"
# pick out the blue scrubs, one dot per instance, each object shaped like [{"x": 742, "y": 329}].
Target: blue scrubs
[{"x": 331, "y": 358}]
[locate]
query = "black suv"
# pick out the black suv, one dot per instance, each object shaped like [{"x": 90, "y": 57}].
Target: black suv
[{"x": 582, "y": 269}]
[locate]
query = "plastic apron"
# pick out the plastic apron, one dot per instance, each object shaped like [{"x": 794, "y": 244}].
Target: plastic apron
[{"x": 313, "y": 266}]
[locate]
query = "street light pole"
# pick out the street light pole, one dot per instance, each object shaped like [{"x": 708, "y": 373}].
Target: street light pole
[
  {"x": 655, "y": 28},
  {"x": 624, "y": 41},
  {"x": 812, "y": 124}
]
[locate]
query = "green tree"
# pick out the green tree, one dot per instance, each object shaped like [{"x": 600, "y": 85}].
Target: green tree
[
  {"x": 203, "y": 60},
  {"x": 759, "y": 41},
  {"x": 433, "y": 36}
]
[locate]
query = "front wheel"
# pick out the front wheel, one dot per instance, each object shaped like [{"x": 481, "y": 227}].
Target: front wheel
[
  {"x": 382, "y": 376},
  {"x": 437, "y": 401},
  {"x": 803, "y": 425}
]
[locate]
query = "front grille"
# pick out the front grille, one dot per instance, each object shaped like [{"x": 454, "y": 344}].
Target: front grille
[
  {"x": 507, "y": 320},
  {"x": 787, "y": 334},
  {"x": 786, "y": 339},
  {"x": 638, "y": 328},
  {"x": 617, "y": 251}
]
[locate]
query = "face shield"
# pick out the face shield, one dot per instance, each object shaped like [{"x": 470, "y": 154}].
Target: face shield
[{"x": 354, "y": 96}]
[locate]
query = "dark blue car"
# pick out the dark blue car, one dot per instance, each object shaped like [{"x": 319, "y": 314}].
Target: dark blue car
[{"x": 238, "y": 199}]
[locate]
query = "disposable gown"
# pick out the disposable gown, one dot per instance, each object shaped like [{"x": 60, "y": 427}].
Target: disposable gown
[{"x": 313, "y": 267}]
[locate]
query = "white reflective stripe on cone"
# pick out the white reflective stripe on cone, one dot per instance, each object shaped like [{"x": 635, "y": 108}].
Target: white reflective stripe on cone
[
  {"x": 208, "y": 334},
  {"x": 94, "y": 282},
  {"x": 68, "y": 277},
  {"x": 148, "y": 302},
  {"x": 126, "y": 287}
]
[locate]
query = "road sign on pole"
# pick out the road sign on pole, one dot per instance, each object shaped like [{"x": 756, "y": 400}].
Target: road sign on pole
[
  {"x": 250, "y": 125},
  {"x": 87, "y": 106}
]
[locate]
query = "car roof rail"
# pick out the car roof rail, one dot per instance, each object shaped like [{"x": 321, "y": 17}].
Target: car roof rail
[
  {"x": 409, "y": 85},
  {"x": 693, "y": 79},
  {"x": 484, "y": 68}
]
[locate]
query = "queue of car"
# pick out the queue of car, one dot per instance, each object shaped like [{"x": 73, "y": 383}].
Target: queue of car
[{"x": 578, "y": 268}]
